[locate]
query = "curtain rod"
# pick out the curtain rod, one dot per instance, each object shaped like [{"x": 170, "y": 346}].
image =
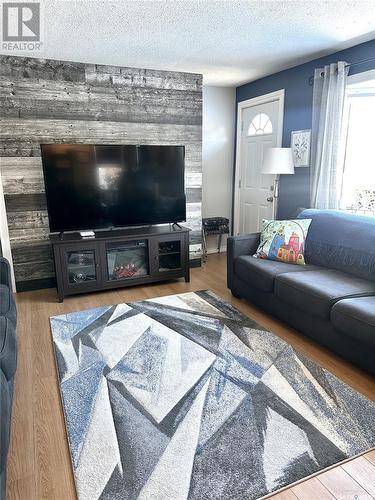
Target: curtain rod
[{"x": 349, "y": 65}]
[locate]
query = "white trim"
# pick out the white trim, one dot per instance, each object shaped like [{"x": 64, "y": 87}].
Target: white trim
[
  {"x": 278, "y": 95},
  {"x": 4, "y": 235},
  {"x": 361, "y": 77}
]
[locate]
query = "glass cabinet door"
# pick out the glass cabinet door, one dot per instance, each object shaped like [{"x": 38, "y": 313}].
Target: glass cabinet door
[
  {"x": 127, "y": 259},
  {"x": 81, "y": 266},
  {"x": 169, "y": 255}
]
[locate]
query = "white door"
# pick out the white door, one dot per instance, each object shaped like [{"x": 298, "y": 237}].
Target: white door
[{"x": 259, "y": 131}]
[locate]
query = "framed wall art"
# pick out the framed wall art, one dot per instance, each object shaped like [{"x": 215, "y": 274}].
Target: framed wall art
[{"x": 300, "y": 143}]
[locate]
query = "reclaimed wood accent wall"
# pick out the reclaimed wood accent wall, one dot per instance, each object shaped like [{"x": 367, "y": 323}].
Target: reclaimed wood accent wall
[{"x": 46, "y": 101}]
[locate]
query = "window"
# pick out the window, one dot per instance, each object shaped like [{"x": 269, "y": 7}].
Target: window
[
  {"x": 358, "y": 192},
  {"x": 260, "y": 125}
]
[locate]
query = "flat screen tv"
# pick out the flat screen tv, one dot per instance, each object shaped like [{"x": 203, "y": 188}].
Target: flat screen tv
[{"x": 104, "y": 186}]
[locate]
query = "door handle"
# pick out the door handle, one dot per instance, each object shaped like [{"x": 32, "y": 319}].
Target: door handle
[{"x": 270, "y": 198}]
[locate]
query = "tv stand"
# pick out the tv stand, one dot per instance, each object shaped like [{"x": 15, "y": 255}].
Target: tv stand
[
  {"x": 175, "y": 224},
  {"x": 119, "y": 258}
]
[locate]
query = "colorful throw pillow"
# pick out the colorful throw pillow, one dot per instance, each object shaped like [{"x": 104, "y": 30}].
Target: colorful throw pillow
[{"x": 283, "y": 240}]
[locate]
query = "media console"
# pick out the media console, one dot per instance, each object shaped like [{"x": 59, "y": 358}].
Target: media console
[{"x": 119, "y": 258}]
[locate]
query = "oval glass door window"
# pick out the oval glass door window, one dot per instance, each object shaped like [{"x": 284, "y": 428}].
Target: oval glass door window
[{"x": 260, "y": 125}]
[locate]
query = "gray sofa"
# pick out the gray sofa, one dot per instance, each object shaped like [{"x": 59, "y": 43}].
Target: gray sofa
[
  {"x": 332, "y": 298},
  {"x": 8, "y": 362}
]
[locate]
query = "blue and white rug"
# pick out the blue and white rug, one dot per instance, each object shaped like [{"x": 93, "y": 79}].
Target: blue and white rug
[{"x": 183, "y": 397}]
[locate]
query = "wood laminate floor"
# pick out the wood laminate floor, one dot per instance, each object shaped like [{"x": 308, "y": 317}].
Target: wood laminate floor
[{"x": 39, "y": 463}]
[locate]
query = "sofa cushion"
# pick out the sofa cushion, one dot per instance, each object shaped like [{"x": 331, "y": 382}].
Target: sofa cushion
[
  {"x": 341, "y": 241},
  {"x": 315, "y": 292},
  {"x": 8, "y": 350},
  {"x": 7, "y": 304},
  {"x": 261, "y": 273},
  {"x": 356, "y": 318}
]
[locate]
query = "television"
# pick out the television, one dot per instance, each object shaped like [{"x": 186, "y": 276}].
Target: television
[{"x": 105, "y": 186}]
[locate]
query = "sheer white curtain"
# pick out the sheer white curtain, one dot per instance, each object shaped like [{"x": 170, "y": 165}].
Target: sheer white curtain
[{"x": 328, "y": 127}]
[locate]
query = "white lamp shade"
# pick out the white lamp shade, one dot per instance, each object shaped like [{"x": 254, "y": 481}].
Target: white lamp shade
[{"x": 278, "y": 161}]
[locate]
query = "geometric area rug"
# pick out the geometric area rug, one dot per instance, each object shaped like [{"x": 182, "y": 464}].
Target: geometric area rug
[{"x": 183, "y": 397}]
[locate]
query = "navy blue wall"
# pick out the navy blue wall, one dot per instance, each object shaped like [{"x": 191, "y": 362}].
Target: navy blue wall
[{"x": 294, "y": 189}]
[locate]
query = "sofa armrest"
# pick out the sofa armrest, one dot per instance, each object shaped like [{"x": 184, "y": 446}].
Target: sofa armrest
[
  {"x": 5, "y": 273},
  {"x": 5, "y": 405},
  {"x": 246, "y": 244}
]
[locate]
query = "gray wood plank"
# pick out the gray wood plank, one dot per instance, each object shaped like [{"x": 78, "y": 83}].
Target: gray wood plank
[
  {"x": 33, "y": 68},
  {"x": 25, "y": 67},
  {"x": 21, "y": 175},
  {"x": 135, "y": 77},
  {"x": 79, "y": 101},
  {"x": 195, "y": 251},
  {"x": 28, "y": 201},
  {"x": 28, "y": 219},
  {"x": 18, "y": 86},
  {"x": 22, "y": 137},
  {"x": 34, "y": 270},
  {"x": 193, "y": 216},
  {"x": 129, "y": 133},
  {"x": 195, "y": 237},
  {"x": 37, "y": 235},
  {"x": 112, "y": 111},
  {"x": 32, "y": 252},
  {"x": 193, "y": 194},
  {"x": 193, "y": 179},
  {"x": 10, "y": 165}
]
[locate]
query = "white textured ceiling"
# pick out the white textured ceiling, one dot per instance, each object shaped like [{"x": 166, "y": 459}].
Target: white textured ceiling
[{"x": 229, "y": 41}]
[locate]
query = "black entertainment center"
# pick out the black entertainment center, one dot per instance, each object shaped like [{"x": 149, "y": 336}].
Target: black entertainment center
[
  {"x": 119, "y": 258},
  {"x": 129, "y": 200}
]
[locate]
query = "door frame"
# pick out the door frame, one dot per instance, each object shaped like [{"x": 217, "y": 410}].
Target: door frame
[{"x": 279, "y": 96}]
